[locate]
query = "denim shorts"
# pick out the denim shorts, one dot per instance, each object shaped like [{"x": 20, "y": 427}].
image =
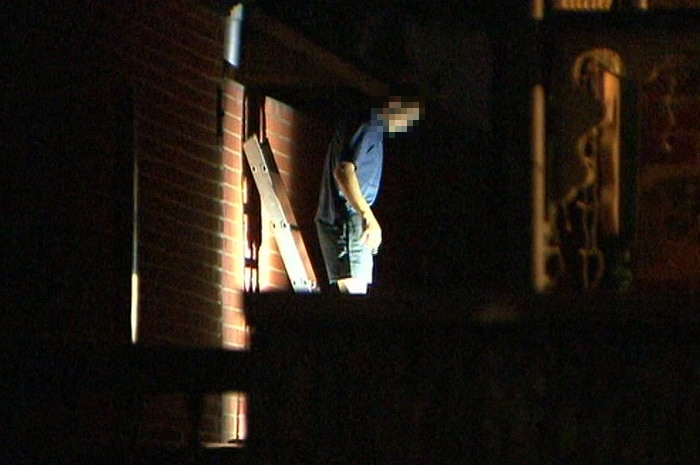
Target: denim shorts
[{"x": 344, "y": 254}]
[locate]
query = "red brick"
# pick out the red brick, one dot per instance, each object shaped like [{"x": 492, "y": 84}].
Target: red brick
[
  {"x": 233, "y": 148},
  {"x": 280, "y": 110},
  {"x": 177, "y": 124},
  {"x": 232, "y": 168},
  {"x": 231, "y": 263},
  {"x": 231, "y": 246},
  {"x": 234, "y": 90},
  {"x": 234, "y": 402},
  {"x": 233, "y": 120},
  {"x": 279, "y": 127},
  {"x": 235, "y": 315},
  {"x": 274, "y": 260},
  {"x": 232, "y": 300},
  {"x": 235, "y": 336},
  {"x": 281, "y": 148}
]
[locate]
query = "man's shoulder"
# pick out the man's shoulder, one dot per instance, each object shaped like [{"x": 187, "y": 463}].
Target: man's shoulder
[
  {"x": 347, "y": 133},
  {"x": 347, "y": 127}
]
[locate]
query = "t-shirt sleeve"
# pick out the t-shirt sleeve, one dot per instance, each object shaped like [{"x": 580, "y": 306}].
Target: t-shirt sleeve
[
  {"x": 336, "y": 147},
  {"x": 342, "y": 143}
]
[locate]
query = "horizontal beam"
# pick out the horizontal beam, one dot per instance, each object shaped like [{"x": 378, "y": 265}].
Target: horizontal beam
[{"x": 274, "y": 54}]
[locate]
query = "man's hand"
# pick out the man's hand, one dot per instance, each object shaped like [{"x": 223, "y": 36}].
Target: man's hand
[
  {"x": 372, "y": 234},
  {"x": 346, "y": 176}
]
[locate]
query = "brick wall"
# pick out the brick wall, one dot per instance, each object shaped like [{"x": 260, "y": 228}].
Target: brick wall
[
  {"x": 233, "y": 325},
  {"x": 169, "y": 53}
]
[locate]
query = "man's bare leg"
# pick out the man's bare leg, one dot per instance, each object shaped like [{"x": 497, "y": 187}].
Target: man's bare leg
[{"x": 352, "y": 286}]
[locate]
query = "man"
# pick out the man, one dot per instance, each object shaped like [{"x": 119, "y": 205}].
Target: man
[{"x": 348, "y": 231}]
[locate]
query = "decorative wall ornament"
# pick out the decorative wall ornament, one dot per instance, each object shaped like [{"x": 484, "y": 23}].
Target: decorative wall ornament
[
  {"x": 585, "y": 169},
  {"x": 583, "y": 5}
]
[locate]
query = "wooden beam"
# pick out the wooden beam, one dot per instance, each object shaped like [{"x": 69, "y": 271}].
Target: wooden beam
[
  {"x": 272, "y": 49},
  {"x": 268, "y": 62}
]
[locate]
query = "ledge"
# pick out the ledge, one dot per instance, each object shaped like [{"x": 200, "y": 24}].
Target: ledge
[{"x": 472, "y": 308}]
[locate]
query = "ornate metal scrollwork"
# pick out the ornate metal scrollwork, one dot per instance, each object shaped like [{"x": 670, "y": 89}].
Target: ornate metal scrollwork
[{"x": 585, "y": 182}]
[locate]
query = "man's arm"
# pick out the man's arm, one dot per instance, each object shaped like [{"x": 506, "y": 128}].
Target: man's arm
[{"x": 348, "y": 183}]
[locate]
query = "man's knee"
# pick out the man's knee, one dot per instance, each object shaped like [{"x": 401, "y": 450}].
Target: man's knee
[{"x": 352, "y": 286}]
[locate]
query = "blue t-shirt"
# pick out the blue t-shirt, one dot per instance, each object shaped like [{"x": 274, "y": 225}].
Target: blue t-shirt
[{"x": 364, "y": 148}]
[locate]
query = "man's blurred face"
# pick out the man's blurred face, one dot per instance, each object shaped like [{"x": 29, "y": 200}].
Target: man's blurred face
[{"x": 401, "y": 113}]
